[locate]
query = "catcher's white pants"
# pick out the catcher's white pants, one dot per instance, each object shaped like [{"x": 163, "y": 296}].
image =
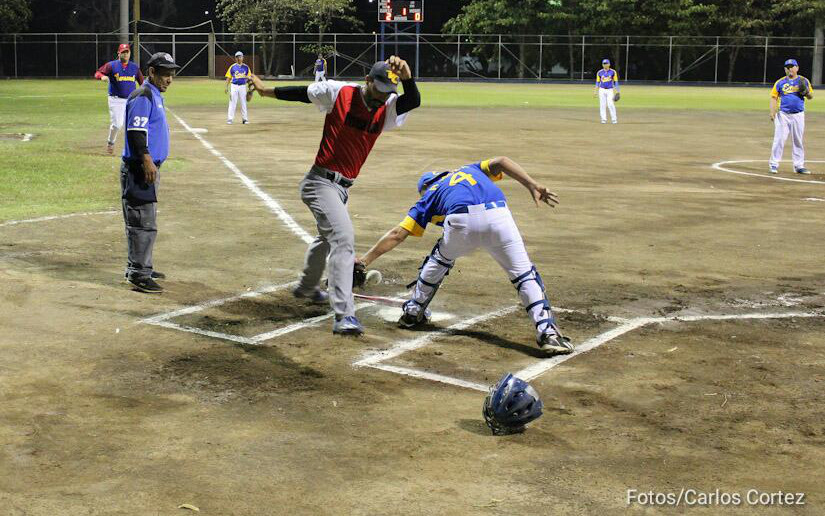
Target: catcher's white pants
[
  {"x": 605, "y": 103},
  {"x": 783, "y": 125},
  {"x": 495, "y": 231},
  {"x": 237, "y": 94},
  {"x": 117, "y": 113},
  {"x": 320, "y": 76}
]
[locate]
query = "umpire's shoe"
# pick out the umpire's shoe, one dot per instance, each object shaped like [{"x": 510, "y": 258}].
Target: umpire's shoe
[
  {"x": 315, "y": 296},
  {"x": 145, "y": 284},
  {"x": 555, "y": 343},
  {"x": 347, "y": 325}
]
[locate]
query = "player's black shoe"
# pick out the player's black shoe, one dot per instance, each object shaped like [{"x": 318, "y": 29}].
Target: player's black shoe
[
  {"x": 555, "y": 343},
  {"x": 145, "y": 284},
  {"x": 155, "y": 275},
  {"x": 410, "y": 321},
  {"x": 803, "y": 170}
]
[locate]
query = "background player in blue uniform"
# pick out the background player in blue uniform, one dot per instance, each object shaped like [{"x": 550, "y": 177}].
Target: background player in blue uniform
[
  {"x": 607, "y": 87},
  {"x": 788, "y": 116},
  {"x": 236, "y": 78},
  {"x": 147, "y": 147},
  {"x": 474, "y": 213},
  {"x": 320, "y": 68},
  {"x": 123, "y": 77}
]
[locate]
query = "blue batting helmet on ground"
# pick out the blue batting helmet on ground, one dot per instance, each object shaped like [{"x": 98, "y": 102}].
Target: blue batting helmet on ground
[{"x": 511, "y": 404}]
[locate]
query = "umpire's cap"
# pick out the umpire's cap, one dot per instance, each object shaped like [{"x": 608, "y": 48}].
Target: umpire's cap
[
  {"x": 385, "y": 79},
  {"x": 162, "y": 60}
]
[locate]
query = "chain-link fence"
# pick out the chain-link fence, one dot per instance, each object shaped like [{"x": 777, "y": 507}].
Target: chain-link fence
[{"x": 752, "y": 59}]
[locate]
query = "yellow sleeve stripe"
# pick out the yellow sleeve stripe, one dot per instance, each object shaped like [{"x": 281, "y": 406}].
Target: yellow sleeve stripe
[
  {"x": 229, "y": 72},
  {"x": 412, "y": 226},
  {"x": 485, "y": 167}
]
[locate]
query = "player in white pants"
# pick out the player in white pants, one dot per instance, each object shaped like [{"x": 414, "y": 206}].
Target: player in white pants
[
  {"x": 788, "y": 116},
  {"x": 607, "y": 85},
  {"x": 236, "y": 79},
  {"x": 474, "y": 214}
]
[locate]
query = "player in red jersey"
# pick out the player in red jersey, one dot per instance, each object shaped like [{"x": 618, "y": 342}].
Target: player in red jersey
[{"x": 355, "y": 117}]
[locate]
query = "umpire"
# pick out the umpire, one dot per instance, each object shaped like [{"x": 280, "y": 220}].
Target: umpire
[{"x": 147, "y": 147}]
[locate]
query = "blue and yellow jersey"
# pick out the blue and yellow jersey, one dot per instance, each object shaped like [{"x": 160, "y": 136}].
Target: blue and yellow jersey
[
  {"x": 785, "y": 89},
  {"x": 467, "y": 186},
  {"x": 607, "y": 78},
  {"x": 320, "y": 65},
  {"x": 239, "y": 73}
]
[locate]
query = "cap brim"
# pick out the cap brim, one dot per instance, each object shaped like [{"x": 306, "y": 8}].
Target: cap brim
[
  {"x": 166, "y": 65},
  {"x": 385, "y": 87}
]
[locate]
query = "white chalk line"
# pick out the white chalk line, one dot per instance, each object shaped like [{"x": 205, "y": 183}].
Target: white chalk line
[
  {"x": 56, "y": 217},
  {"x": 720, "y": 166},
  {"x": 426, "y": 375},
  {"x": 273, "y": 205},
  {"x": 403, "y": 346},
  {"x": 534, "y": 371}
]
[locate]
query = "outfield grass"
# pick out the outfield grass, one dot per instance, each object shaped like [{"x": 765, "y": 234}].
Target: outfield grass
[{"x": 62, "y": 170}]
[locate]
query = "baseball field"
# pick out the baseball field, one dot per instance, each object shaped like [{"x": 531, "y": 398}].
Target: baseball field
[{"x": 691, "y": 282}]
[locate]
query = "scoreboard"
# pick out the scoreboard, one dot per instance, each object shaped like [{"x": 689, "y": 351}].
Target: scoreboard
[{"x": 401, "y": 10}]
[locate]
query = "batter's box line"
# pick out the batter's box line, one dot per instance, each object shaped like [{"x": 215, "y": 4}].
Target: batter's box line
[{"x": 541, "y": 367}]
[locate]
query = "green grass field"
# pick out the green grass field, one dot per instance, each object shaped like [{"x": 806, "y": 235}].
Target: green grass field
[{"x": 63, "y": 169}]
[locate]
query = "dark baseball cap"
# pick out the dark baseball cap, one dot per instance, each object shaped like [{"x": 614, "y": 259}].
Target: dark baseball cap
[
  {"x": 791, "y": 62},
  {"x": 162, "y": 60},
  {"x": 385, "y": 79}
]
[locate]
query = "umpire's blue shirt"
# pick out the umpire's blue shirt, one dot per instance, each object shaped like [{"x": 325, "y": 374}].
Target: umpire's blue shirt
[{"x": 145, "y": 112}]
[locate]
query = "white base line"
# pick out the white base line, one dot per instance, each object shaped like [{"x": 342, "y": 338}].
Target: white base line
[
  {"x": 215, "y": 302},
  {"x": 539, "y": 368},
  {"x": 56, "y": 217},
  {"x": 207, "y": 333},
  {"x": 270, "y": 203},
  {"x": 425, "y": 375},
  {"x": 720, "y": 166},
  {"x": 409, "y": 345}
]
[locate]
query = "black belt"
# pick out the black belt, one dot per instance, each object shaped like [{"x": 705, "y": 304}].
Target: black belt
[{"x": 335, "y": 177}]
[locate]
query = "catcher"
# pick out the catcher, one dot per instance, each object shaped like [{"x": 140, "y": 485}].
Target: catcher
[{"x": 474, "y": 213}]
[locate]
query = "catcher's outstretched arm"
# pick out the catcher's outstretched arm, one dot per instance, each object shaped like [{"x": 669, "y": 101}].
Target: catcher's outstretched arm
[
  {"x": 540, "y": 193},
  {"x": 387, "y": 243}
]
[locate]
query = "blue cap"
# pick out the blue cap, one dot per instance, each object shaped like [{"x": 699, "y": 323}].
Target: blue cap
[
  {"x": 605, "y": 61},
  {"x": 791, "y": 62}
]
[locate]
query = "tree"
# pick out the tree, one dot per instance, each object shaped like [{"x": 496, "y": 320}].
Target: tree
[
  {"x": 739, "y": 19},
  {"x": 807, "y": 10},
  {"x": 269, "y": 17},
  {"x": 498, "y": 17},
  {"x": 14, "y": 17},
  {"x": 320, "y": 15}
]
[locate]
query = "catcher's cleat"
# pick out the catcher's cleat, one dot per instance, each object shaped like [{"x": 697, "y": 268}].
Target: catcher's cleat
[
  {"x": 803, "y": 170},
  {"x": 773, "y": 169},
  {"x": 145, "y": 284},
  {"x": 555, "y": 343},
  {"x": 316, "y": 296},
  {"x": 410, "y": 321},
  {"x": 347, "y": 325}
]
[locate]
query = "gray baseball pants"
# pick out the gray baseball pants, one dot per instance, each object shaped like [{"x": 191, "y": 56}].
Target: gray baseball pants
[
  {"x": 334, "y": 244},
  {"x": 141, "y": 230}
]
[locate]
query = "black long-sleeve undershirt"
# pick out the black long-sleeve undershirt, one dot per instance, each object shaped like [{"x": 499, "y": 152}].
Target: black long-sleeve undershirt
[
  {"x": 137, "y": 144},
  {"x": 410, "y": 100}
]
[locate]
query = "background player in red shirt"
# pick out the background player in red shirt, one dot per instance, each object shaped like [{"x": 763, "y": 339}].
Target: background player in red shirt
[{"x": 355, "y": 117}]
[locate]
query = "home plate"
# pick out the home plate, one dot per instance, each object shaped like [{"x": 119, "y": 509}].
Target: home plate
[{"x": 389, "y": 313}]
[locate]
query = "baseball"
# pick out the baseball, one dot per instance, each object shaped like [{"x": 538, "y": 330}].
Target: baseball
[{"x": 373, "y": 278}]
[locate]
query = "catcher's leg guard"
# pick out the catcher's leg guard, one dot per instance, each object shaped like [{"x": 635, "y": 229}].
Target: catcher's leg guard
[
  {"x": 531, "y": 290},
  {"x": 432, "y": 272}
]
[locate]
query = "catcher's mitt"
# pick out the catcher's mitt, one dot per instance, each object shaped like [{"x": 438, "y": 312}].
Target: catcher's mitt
[
  {"x": 359, "y": 275},
  {"x": 617, "y": 96},
  {"x": 804, "y": 87}
]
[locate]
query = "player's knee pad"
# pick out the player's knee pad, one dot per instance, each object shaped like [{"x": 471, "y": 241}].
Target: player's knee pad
[{"x": 431, "y": 273}]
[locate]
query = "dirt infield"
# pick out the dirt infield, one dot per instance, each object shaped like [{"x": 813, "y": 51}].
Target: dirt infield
[{"x": 104, "y": 414}]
